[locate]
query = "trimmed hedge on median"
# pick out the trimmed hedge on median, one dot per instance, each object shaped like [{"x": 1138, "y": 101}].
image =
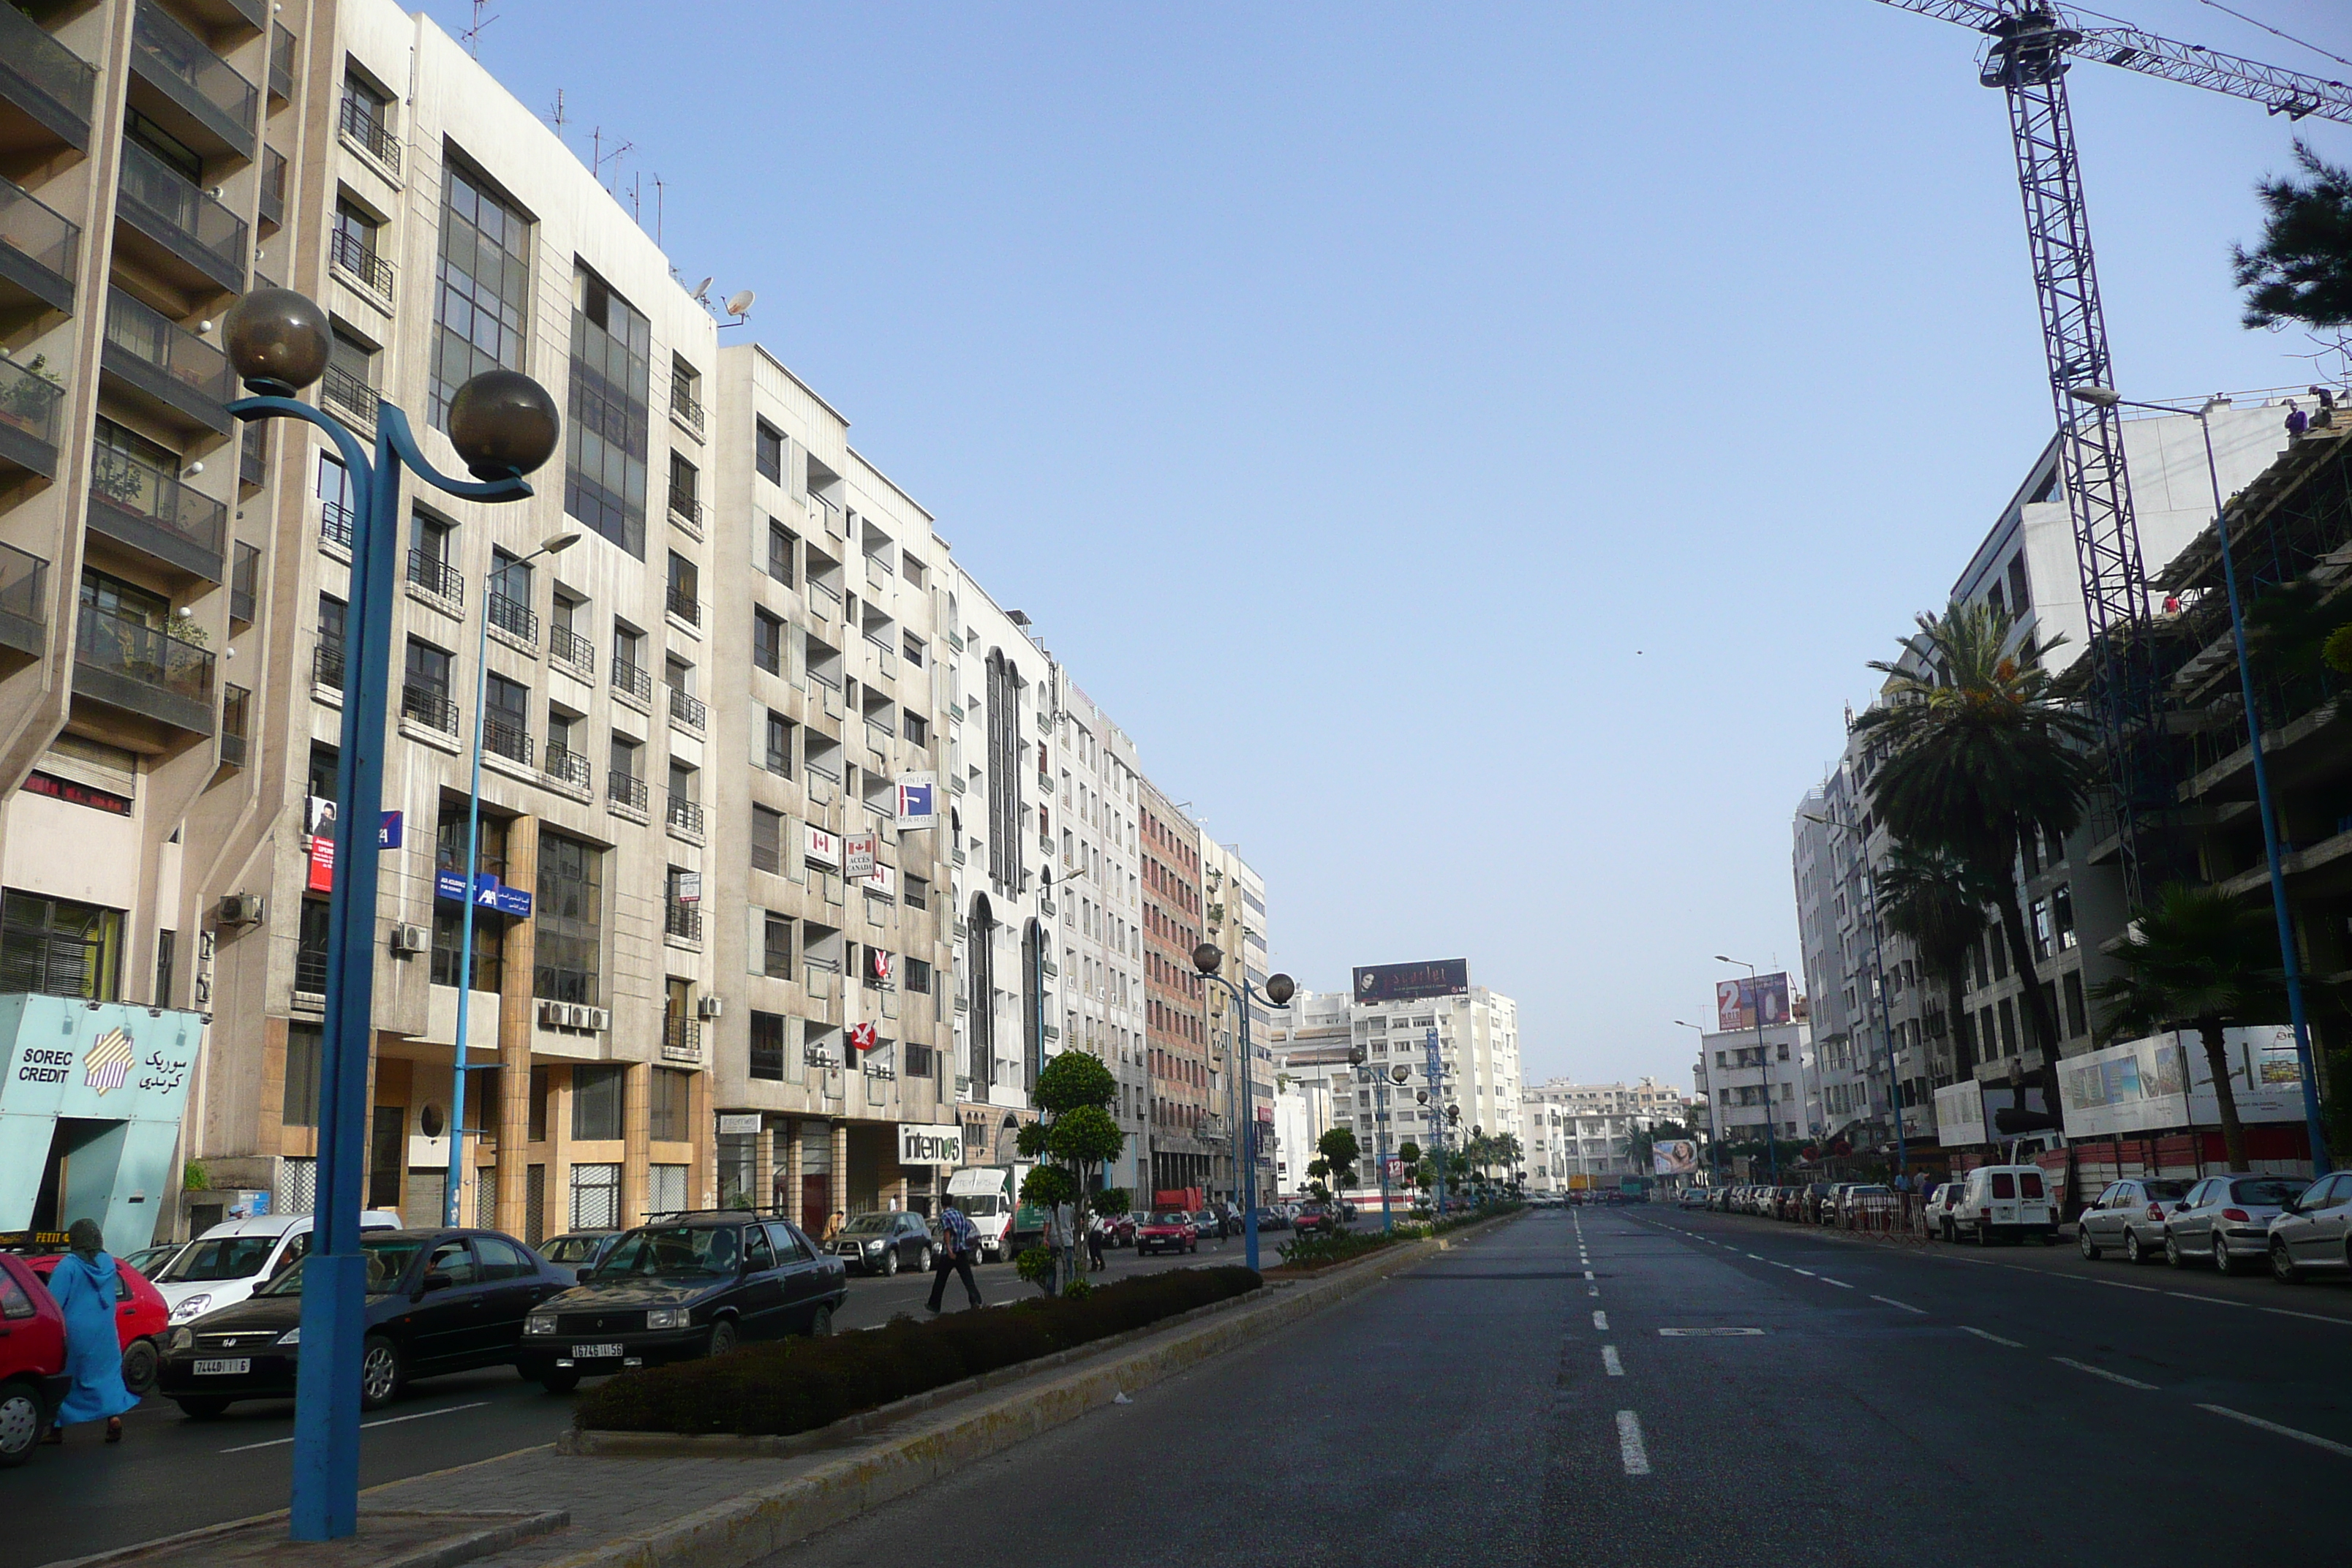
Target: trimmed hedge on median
[
  {"x": 797, "y": 1385},
  {"x": 1307, "y": 1254}
]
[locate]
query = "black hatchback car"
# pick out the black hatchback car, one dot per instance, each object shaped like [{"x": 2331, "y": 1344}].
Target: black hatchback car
[
  {"x": 437, "y": 1301},
  {"x": 692, "y": 1284},
  {"x": 886, "y": 1243}
]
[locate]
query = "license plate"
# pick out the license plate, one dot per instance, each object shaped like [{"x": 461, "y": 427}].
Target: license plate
[
  {"x": 594, "y": 1353},
  {"x": 229, "y": 1366}
]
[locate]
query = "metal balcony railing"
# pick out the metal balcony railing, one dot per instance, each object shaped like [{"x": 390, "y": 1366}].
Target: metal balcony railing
[
  {"x": 514, "y": 617},
  {"x": 144, "y": 654},
  {"x": 273, "y": 187},
  {"x": 24, "y": 603},
  {"x": 36, "y": 237},
  {"x": 682, "y": 921},
  {"x": 207, "y": 86},
  {"x": 685, "y": 504},
  {"x": 335, "y": 523},
  {"x": 253, "y": 453},
  {"x": 570, "y": 647},
  {"x": 236, "y": 715},
  {"x": 685, "y": 813},
  {"x": 687, "y": 406},
  {"x": 429, "y": 706},
  {"x": 633, "y": 680},
  {"x": 161, "y": 345},
  {"x": 506, "y": 739},
  {"x": 29, "y": 403},
  {"x": 346, "y": 389},
  {"x": 363, "y": 120},
  {"x": 33, "y": 64},
  {"x": 310, "y": 971},
  {"x": 327, "y": 663},
  {"x": 437, "y": 576},
  {"x": 626, "y": 789},
  {"x": 244, "y": 582},
  {"x": 682, "y": 1038},
  {"x": 686, "y": 709},
  {"x": 563, "y": 762},
  {"x": 357, "y": 258},
  {"x": 169, "y": 204},
  {"x": 685, "y": 607},
  {"x": 281, "y": 61},
  {"x": 149, "y": 507}
]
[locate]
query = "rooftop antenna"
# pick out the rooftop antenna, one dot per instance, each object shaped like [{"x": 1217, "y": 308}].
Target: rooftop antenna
[
  {"x": 620, "y": 150},
  {"x": 658, "y": 211},
  {"x": 636, "y": 199},
  {"x": 561, "y": 118},
  {"x": 472, "y": 36}
]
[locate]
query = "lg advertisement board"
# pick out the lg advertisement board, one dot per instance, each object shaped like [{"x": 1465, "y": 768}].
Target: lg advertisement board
[
  {"x": 1736, "y": 1002},
  {"x": 1412, "y": 982}
]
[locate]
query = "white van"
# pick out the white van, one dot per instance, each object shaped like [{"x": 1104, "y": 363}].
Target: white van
[
  {"x": 224, "y": 1265},
  {"x": 2005, "y": 1200}
]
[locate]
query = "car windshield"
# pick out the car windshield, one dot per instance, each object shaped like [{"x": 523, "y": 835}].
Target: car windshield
[
  {"x": 2268, "y": 1190},
  {"x": 2165, "y": 1189},
  {"x": 1171, "y": 1219},
  {"x": 387, "y": 1260},
  {"x": 572, "y": 1248},
  {"x": 674, "y": 1251},
  {"x": 868, "y": 1225},
  {"x": 220, "y": 1257},
  {"x": 147, "y": 1259}
]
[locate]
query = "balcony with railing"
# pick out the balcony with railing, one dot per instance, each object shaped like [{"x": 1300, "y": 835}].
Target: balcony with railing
[
  {"x": 31, "y": 406},
  {"x": 178, "y": 81},
  {"x": 244, "y": 582},
  {"x": 166, "y": 220},
  {"x": 681, "y": 1040},
  {"x": 335, "y": 523},
  {"x": 135, "y": 504},
  {"x": 564, "y": 765},
  {"x": 683, "y": 605},
  {"x": 686, "y": 709},
  {"x": 632, "y": 680},
  {"x": 687, "y": 407},
  {"x": 513, "y": 616},
  {"x": 429, "y": 706},
  {"x": 24, "y": 601},
  {"x": 685, "y": 813},
  {"x": 437, "y": 576},
  {"x": 281, "y": 62},
  {"x": 355, "y": 256},
  {"x": 327, "y": 663},
  {"x": 310, "y": 966},
  {"x": 685, "y": 507},
  {"x": 567, "y": 647},
  {"x": 47, "y": 91},
  {"x": 40, "y": 248},
  {"x": 236, "y": 705},
  {"x": 253, "y": 453},
  {"x": 141, "y": 669},
  {"x": 273, "y": 188},
  {"x": 344, "y": 388},
  {"x": 626, "y": 789},
  {"x": 503, "y": 737},
  {"x": 682, "y": 920},
  {"x": 362, "y": 122},
  {"x": 165, "y": 370}
]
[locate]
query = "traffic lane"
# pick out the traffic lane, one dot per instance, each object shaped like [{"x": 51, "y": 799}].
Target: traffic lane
[
  {"x": 1394, "y": 1427},
  {"x": 2180, "y": 1337},
  {"x": 875, "y": 1300},
  {"x": 171, "y": 1474},
  {"x": 1851, "y": 1431}
]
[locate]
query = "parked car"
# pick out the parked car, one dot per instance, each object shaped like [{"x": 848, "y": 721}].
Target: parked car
[
  {"x": 1209, "y": 1225},
  {"x": 2129, "y": 1217},
  {"x": 224, "y": 1265},
  {"x": 1692, "y": 1198},
  {"x": 1273, "y": 1218},
  {"x": 885, "y": 1243},
  {"x": 1171, "y": 1231},
  {"x": 1312, "y": 1217},
  {"x": 2227, "y": 1219},
  {"x": 33, "y": 1380},
  {"x": 578, "y": 1248},
  {"x": 153, "y": 1260},
  {"x": 2004, "y": 1200},
  {"x": 1826, "y": 1211},
  {"x": 1862, "y": 1197},
  {"x": 1118, "y": 1230},
  {"x": 2315, "y": 1230},
  {"x": 1935, "y": 1214},
  {"x": 696, "y": 1285},
  {"x": 140, "y": 1319},
  {"x": 439, "y": 1300}
]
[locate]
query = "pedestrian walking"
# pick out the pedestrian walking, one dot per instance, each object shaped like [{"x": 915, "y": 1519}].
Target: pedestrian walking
[
  {"x": 959, "y": 1240},
  {"x": 84, "y": 1285},
  {"x": 1098, "y": 1236}
]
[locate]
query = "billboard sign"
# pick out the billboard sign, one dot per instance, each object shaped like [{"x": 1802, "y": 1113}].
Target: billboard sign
[
  {"x": 1736, "y": 1002},
  {"x": 925, "y": 1144},
  {"x": 2163, "y": 1083},
  {"x": 1412, "y": 982},
  {"x": 1674, "y": 1157},
  {"x": 1959, "y": 1115},
  {"x": 919, "y": 796},
  {"x": 857, "y": 857}
]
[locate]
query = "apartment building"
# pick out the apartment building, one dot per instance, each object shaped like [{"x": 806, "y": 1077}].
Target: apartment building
[
  {"x": 1186, "y": 1127},
  {"x": 1309, "y": 1042},
  {"x": 1241, "y": 1085},
  {"x": 1573, "y": 1134},
  {"x": 830, "y": 1017},
  {"x": 1746, "y": 1086},
  {"x": 1000, "y": 744},
  {"x": 1096, "y": 814}
]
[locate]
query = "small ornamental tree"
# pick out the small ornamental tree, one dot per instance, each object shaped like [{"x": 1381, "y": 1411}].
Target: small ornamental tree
[
  {"x": 1072, "y": 1141},
  {"x": 1340, "y": 1151}
]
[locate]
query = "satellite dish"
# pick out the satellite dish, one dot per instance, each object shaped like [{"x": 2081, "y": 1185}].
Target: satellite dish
[
  {"x": 702, "y": 291},
  {"x": 740, "y": 304}
]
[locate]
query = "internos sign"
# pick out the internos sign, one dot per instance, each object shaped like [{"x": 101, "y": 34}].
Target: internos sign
[
  {"x": 925, "y": 1144},
  {"x": 1412, "y": 982}
]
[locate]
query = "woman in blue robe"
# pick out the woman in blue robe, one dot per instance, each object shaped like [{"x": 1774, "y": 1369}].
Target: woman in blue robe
[{"x": 84, "y": 1283}]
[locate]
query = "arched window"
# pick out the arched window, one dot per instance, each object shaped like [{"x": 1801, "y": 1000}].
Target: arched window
[
  {"x": 1033, "y": 1019},
  {"x": 980, "y": 941}
]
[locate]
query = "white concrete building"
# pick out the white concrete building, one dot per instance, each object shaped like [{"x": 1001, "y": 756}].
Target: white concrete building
[
  {"x": 1241, "y": 1088},
  {"x": 1743, "y": 1085},
  {"x": 1570, "y": 1131}
]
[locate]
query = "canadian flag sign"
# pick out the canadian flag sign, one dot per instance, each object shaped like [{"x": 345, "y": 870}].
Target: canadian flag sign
[
  {"x": 857, "y": 857},
  {"x": 861, "y": 1036}
]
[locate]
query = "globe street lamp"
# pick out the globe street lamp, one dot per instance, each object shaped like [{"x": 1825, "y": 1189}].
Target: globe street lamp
[
  {"x": 504, "y": 425},
  {"x": 1209, "y": 958}
]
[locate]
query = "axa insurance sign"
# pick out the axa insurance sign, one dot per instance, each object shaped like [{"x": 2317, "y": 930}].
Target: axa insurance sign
[{"x": 111, "y": 1062}]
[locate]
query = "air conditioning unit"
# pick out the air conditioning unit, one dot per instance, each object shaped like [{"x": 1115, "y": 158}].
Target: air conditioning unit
[
  {"x": 712, "y": 1006},
  {"x": 243, "y": 909},
  {"x": 599, "y": 1019},
  {"x": 408, "y": 940},
  {"x": 551, "y": 1014}
]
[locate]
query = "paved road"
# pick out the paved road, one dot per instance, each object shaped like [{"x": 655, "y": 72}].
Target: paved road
[
  {"x": 171, "y": 1474},
  {"x": 1563, "y": 1391}
]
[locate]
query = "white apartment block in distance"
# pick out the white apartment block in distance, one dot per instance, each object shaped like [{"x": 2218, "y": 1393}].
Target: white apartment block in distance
[
  {"x": 1571, "y": 1130},
  {"x": 1310, "y": 1041},
  {"x": 1241, "y": 1088},
  {"x": 1744, "y": 1084}
]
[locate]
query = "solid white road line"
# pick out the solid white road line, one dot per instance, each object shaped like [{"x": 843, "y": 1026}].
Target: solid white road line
[
  {"x": 1994, "y": 1338},
  {"x": 2314, "y": 1317},
  {"x": 2119, "y": 1285},
  {"x": 1609, "y": 1362},
  {"x": 2315, "y": 1440},
  {"x": 1808, "y": 1273},
  {"x": 1839, "y": 1283},
  {"x": 364, "y": 1426},
  {"x": 1904, "y": 1305},
  {"x": 1600, "y": 1319},
  {"x": 1629, "y": 1446},
  {"x": 1758, "y": 1256},
  {"x": 2101, "y": 1372}
]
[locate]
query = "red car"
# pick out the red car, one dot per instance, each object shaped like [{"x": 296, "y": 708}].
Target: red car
[
  {"x": 1169, "y": 1232},
  {"x": 1312, "y": 1217},
  {"x": 140, "y": 1319},
  {"x": 33, "y": 1379},
  {"x": 1118, "y": 1230}
]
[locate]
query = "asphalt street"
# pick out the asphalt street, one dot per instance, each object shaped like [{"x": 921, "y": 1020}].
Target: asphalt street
[
  {"x": 169, "y": 1474},
  {"x": 1650, "y": 1388}
]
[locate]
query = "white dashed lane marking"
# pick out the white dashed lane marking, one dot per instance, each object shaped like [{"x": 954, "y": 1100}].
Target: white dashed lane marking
[
  {"x": 2101, "y": 1372},
  {"x": 1636, "y": 1454},
  {"x": 1609, "y": 1362},
  {"x": 1994, "y": 1338},
  {"x": 2314, "y": 1439},
  {"x": 1600, "y": 1321},
  {"x": 1904, "y": 1305}
]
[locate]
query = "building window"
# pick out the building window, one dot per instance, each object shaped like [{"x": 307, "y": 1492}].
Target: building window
[
  {"x": 919, "y": 976},
  {"x": 685, "y": 487},
  {"x": 449, "y": 945},
  {"x": 166, "y": 944},
  {"x": 2077, "y": 1017},
  {"x": 672, "y": 1121},
  {"x": 780, "y": 553},
  {"x": 597, "y": 1197},
  {"x": 917, "y": 893},
  {"x": 767, "y": 642},
  {"x": 776, "y": 948},
  {"x": 506, "y": 718},
  {"x": 1004, "y": 746},
  {"x": 611, "y": 376},
  {"x": 2062, "y": 912},
  {"x": 767, "y": 840},
  {"x": 569, "y": 914},
  {"x": 480, "y": 305},
  {"x": 299, "y": 1105},
  {"x": 779, "y": 744},
  {"x": 596, "y": 1091},
  {"x": 768, "y": 452},
  {"x": 55, "y": 947},
  {"x": 768, "y": 1047},
  {"x": 916, "y": 731}
]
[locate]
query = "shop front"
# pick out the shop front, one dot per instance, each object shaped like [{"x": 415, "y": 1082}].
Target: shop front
[{"x": 91, "y": 1100}]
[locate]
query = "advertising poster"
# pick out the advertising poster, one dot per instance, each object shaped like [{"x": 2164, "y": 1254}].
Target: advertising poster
[
  {"x": 1412, "y": 982},
  {"x": 1736, "y": 1001},
  {"x": 2163, "y": 1083},
  {"x": 1674, "y": 1157}
]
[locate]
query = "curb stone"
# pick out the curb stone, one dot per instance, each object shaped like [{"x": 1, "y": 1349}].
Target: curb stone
[{"x": 499, "y": 1531}]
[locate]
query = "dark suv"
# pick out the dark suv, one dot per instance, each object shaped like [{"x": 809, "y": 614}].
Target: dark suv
[
  {"x": 885, "y": 1243},
  {"x": 692, "y": 1285}
]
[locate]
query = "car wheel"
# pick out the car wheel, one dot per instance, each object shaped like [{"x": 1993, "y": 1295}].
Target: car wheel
[
  {"x": 820, "y": 1326},
  {"x": 928, "y": 1259},
  {"x": 2133, "y": 1251},
  {"x": 722, "y": 1338},
  {"x": 2283, "y": 1266},
  {"x": 2172, "y": 1251},
  {"x": 139, "y": 1367},
  {"x": 562, "y": 1382},
  {"x": 2222, "y": 1262},
  {"x": 2084, "y": 1245},
  {"x": 21, "y": 1420},
  {"x": 890, "y": 1263},
  {"x": 380, "y": 1373},
  {"x": 205, "y": 1409}
]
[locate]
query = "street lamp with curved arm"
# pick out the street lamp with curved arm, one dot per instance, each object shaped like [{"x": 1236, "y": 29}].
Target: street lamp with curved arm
[{"x": 1209, "y": 958}]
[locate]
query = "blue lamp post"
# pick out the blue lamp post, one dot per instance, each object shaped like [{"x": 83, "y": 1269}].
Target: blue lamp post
[
  {"x": 1209, "y": 958},
  {"x": 504, "y": 425}
]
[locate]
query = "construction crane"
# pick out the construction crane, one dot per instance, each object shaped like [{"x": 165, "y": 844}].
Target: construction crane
[{"x": 2029, "y": 48}]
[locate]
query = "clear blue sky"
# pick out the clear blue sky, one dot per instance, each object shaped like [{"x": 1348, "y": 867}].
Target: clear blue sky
[{"x": 1473, "y": 449}]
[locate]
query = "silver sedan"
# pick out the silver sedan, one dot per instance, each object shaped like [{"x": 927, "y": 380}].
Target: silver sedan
[
  {"x": 2227, "y": 1219},
  {"x": 2129, "y": 1217},
  {"x": 2315, "y": 1232}
]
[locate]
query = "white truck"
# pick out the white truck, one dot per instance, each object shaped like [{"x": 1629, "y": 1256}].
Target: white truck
[{"x": 989, "y": 1198}]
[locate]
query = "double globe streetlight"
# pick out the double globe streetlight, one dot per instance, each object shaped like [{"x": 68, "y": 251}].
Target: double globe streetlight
[
  {"x": 503, "y": 425},
  {"x": 1210, "y": 959}
]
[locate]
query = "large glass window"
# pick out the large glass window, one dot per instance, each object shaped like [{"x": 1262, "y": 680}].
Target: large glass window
[
  {"x": 570, "y": 915},
  {"x": 480, "y": 298},
  {"x": 596, "y": 1099},
  {"x": 610, "y": 427},
  {"x": 59, "y": 948},
  {"x": 299, "y": 1106},
  {"x": 671, "y": 1122}
]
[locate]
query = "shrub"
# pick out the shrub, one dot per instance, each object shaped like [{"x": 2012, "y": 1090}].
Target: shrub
[{"x": 798, "y": 1385}]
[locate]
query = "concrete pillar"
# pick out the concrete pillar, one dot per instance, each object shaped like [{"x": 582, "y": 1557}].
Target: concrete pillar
[
  {"x": 704, "y": 1178},
  {"x": 515, "y": 1024},
  {"x": 836, "y": 1187},
  {"x": 636, "y": 1139},
  {"x": 791, "y": 1172},
  {"x": 558, "y": 1150},
  {"x": 763, "y": 1165}
]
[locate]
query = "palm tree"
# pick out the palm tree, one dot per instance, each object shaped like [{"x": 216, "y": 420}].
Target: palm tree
[
  {"x": 1981, "y": 753},
  {"x": 2201, "y": 960},
  {"x": 1935, "y": 899}
]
